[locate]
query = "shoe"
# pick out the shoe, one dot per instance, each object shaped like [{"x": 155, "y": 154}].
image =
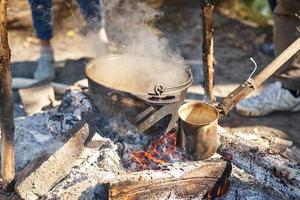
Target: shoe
[
  {"x": 45, "y": 68},
  {"x": 103, "y": 36},
  {"x": 273, "y": 98},
  {"x": 268, "y": 49}
]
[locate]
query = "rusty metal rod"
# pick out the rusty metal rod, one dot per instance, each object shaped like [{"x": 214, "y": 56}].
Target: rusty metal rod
[
  {"x": 6, "y": 102},
  {"x": 208, "y": 57}
]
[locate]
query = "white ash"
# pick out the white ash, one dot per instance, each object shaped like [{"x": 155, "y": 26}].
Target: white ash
[
  {"x": 73, "y": 105},
  {"x": 32, "y": 138},
  {"x": 267, "y": 163},
  {"x": 292, "y": 153},
  {"x": 99, "y": 165},
  {"x": 245, "y": 187},
  {"x": 126, "y": 136},
  {"x": 108, "y": 159}
]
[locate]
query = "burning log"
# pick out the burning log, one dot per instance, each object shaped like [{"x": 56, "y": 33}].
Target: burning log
[
  {"x": 41, "y": 175},
  {"x": 189, "y": 179},
  {"x": 160, "y": 151},
  {"x": 6, "y": 102}
]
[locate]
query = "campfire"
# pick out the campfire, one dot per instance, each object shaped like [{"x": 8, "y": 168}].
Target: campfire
[
  {"x": 117, "y": 163},
  {"x": 160, "y": 151},
  {"x": 141, "y": 164},
  {"x": 119, "y": 140}
]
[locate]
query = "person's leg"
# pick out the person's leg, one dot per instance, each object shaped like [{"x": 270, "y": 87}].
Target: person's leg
[
  {"x": 283, "y": 95},
  {"x": 42, "y": 22},
  {"x": 41, "y": 16},
  {"x": 272, "y": 4},
  {"x": 93, "y": 14},
  {"x": 286, "y": 31},
  {"x": 267, "y": 48}
]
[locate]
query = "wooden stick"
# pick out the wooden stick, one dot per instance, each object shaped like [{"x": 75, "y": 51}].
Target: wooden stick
[
  {"x": 249, "y": 86},
  {"x": 278, "y": 62},
  {"x": 208, "y": 57},
  {"x": 6, "y": 101}
]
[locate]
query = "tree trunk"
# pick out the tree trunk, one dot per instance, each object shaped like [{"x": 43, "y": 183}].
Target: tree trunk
[{"x": 6, "y": 101}]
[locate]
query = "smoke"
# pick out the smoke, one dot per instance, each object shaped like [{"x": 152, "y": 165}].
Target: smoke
[{"x": 131, "y": 26}]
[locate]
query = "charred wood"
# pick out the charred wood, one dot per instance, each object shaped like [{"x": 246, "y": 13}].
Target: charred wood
[
  {"x": 193, "y": 179},
  {"x": 269, "y": 166}
]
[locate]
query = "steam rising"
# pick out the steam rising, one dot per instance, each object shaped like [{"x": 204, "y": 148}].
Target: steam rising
[
  {"x": 136, "y": 74},
  {"x": 131, "y": 26}
]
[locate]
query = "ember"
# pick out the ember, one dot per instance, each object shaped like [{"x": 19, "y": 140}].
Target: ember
[
  {"x": 222, "y": 185},
  {"x": 160, "y": 151}
]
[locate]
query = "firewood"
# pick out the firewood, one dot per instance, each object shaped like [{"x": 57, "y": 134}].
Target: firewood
[
  {"x": 269, "y": 167},
  {"x": 192, "y": 179},
  {"x": 42, "y": 174},
  {"x": 6, "y": 102}
]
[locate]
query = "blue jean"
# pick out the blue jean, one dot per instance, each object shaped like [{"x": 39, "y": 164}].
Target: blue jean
[
  {"x": 42, "y": 16},
  {"x": 272, "y": 4}
]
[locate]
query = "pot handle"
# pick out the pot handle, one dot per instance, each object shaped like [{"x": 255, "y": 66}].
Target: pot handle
[
  {"x": 249, "y": 85},
  {"x": 236, "y": 96},
  {"x": 163, "y": 95},
  {"x": 160, "y": 99}
]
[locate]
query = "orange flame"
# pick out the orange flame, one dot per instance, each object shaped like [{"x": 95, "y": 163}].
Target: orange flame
[
  {"x": 158, "y": 152},
  {"x": 221, "y": 190}
]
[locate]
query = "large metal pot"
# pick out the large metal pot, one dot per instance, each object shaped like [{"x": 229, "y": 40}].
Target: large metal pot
[{"x": 153, "y": 110}]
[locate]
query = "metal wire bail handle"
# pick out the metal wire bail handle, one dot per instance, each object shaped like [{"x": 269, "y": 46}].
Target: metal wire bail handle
[{"x": 255, "y": 68}]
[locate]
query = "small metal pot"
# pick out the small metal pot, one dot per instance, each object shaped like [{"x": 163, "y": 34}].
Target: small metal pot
[
  {"x": 199, "y": 121},
  {"x": 197, "y": 134}
]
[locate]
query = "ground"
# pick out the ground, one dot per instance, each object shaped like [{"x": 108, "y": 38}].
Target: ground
[{"x": 235, "y": 42}]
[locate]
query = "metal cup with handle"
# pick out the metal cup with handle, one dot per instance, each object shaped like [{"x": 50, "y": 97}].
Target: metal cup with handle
[{"x": 198, "y": 120}]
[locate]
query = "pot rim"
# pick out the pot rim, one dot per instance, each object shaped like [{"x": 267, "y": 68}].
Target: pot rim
[
  {"x": 195, "y": 103},
  {"x": 118, "y": 56}
]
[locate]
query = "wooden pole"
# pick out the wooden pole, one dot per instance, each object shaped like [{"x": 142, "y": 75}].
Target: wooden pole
[
  {"x": 6, "y": 102},
  {"x": 249, "y": 86},
  {"x": 208, "y": 57}
]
